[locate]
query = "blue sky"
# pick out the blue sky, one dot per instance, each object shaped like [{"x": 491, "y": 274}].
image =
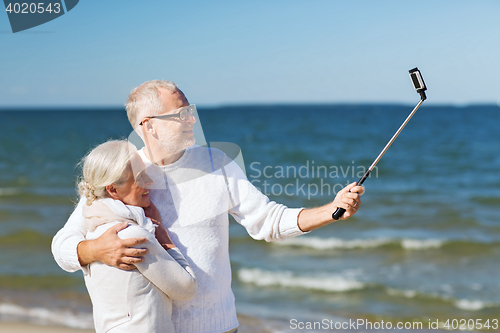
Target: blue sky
[{"x": 240, "y": 52}]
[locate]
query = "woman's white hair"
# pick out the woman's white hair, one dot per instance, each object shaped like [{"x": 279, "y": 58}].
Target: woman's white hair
[
  {"x": 145, "y": 100},
  {"x": 106, "y": 164}
]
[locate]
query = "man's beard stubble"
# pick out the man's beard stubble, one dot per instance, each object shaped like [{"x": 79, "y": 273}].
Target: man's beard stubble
[{"x": 171, "y": 145}]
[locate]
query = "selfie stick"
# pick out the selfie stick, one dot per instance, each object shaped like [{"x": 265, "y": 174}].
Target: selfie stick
[{"x": 418, "y": 83}]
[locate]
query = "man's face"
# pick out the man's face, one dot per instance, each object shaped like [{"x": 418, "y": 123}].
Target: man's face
[{"x": 174, "y": 135}]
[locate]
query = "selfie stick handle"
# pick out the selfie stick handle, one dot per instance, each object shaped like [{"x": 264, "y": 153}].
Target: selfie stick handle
[{"x": 340, "y": 211}]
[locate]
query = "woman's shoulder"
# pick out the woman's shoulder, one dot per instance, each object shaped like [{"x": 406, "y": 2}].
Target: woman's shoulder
[
  {"x": 134, "y": 231},
  {"x": 100, "y": 229}
]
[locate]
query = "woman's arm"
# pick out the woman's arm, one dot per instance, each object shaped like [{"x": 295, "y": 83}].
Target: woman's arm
[{"x": 168, "y": 270}]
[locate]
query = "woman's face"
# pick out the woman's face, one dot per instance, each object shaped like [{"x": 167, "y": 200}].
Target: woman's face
[{"x": 134, "y": 191}]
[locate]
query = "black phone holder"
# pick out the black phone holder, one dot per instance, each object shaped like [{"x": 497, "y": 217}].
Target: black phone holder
[{"x": 418, "y": 82}]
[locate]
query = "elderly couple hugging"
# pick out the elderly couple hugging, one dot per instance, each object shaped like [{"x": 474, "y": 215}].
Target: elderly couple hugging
[{"x": 151, "y": 229}]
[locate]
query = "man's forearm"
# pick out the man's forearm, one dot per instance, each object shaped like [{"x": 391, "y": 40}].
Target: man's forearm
[
  {"x": 85, "y": 252},
  {"x": 111, "y": 250},
  {"x": 314, "y": 218},
  {"x": 66, "y": 241}
]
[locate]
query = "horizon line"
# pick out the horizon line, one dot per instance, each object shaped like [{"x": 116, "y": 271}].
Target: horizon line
[{"x": 238, "y": 105}]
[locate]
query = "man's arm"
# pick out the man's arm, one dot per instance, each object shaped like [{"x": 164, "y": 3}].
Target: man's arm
[
  {"x": 112, "y": 250},
  {"x": 72, "y": 252},
  {"x": 271, "y": 221},
  {"x": 348, "y": 198}
]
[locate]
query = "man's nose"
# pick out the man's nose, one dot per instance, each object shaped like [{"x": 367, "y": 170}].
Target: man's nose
[{"x": 190, "y": 118}]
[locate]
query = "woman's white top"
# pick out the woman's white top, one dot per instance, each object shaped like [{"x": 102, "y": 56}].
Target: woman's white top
[{"x": 139, "y": 300}]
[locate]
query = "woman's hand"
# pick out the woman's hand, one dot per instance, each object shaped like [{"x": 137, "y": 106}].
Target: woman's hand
[
  {"x": 152, "y": 212},
  {"x": 161, "y": 233},
  {"x": 163, "y": 238}
]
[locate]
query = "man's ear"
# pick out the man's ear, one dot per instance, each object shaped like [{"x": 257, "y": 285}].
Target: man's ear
[
  {"x": 112, "y": 191},
  {"x": 149, "y": 131},
  {"x": 148, "y": 127}
]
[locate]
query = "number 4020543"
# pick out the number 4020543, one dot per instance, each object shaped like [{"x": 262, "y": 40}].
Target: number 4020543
[
  {"x": 33, "y": 8},
  {"x": 471, "y": 324}
]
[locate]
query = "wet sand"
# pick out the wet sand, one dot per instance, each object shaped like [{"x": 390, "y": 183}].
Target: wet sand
[
  {"x": 6, "y": 327},
  {"x": 247, "y": 325}
]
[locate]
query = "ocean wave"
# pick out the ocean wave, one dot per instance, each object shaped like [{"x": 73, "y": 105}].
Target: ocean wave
[
  {"x": 333, "y": 243},
  {"x": 36, "y": 192},
  {"x": 10, "y": 191},
  {"x": 472, "y": 305},
  {"x": 487, "y": 201},
  {"x": 36, "y": 283},
  {"x": 330, "y": 283},
  {"x": 404, "y": 293},
  {"x": 421, "y": 244},
  {"x": 463, "y": 304},
  {"x": 47, "y": 316},
  {"x": 318, "y": 243},
  {"x": 25, "y": 238}
]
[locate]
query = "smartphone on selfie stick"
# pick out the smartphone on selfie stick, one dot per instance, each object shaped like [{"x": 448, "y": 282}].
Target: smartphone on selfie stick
[{"x": 419, "y": 85}]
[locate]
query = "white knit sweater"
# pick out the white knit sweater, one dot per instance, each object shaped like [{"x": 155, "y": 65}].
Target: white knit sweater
[
  {"x": 194, "y": 196},
  {"x": 139, "y": 300}
]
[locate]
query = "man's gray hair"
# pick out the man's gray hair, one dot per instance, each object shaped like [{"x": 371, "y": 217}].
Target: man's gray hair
[{"x": 145, "y": 100}]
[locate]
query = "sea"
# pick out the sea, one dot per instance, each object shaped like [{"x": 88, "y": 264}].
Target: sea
[{"x": 424, "y": 246}]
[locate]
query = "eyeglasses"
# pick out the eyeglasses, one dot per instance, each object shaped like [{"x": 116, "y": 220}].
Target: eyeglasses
[{"x": 183, "y": 114}]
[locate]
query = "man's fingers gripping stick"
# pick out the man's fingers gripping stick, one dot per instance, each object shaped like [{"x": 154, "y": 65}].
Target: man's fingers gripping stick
[{"x": 419, "y": 85}]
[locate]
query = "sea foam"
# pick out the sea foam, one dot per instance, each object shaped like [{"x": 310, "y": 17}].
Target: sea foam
[
  {"x": 421, "y": 244},
  {"x": 9, "y": 191},
  {"x": 331, "y": 243},
  {"x": 472, "y": 305},
  {"x": 463, "y": 304},
  {"x": 331, "y": 283},
  {"x": 47, "y": 316}
]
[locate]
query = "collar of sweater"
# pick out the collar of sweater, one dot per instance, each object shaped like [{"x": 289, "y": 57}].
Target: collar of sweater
[{"x": 171, "y": 166}]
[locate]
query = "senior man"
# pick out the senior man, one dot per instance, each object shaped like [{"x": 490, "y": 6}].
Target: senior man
[{"x": 194, "y": 190}]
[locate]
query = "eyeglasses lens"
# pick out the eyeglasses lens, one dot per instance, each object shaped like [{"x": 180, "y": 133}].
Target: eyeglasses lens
[{"x": 184, "y": 113}]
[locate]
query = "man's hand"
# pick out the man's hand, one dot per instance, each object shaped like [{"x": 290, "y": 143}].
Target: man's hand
[
  {"x": 112, "y": 250},
  {"x": 314, "y": 218},
  {"x": 348, "y": 198}
]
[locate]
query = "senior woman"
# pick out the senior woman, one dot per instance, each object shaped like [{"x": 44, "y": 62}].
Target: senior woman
[{"x": 140, "y": 300}]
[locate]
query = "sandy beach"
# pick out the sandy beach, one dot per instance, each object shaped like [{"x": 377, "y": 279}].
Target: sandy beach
[
  {"x": 6, "y": 327},
  {"x": 247, "y": 325}
]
